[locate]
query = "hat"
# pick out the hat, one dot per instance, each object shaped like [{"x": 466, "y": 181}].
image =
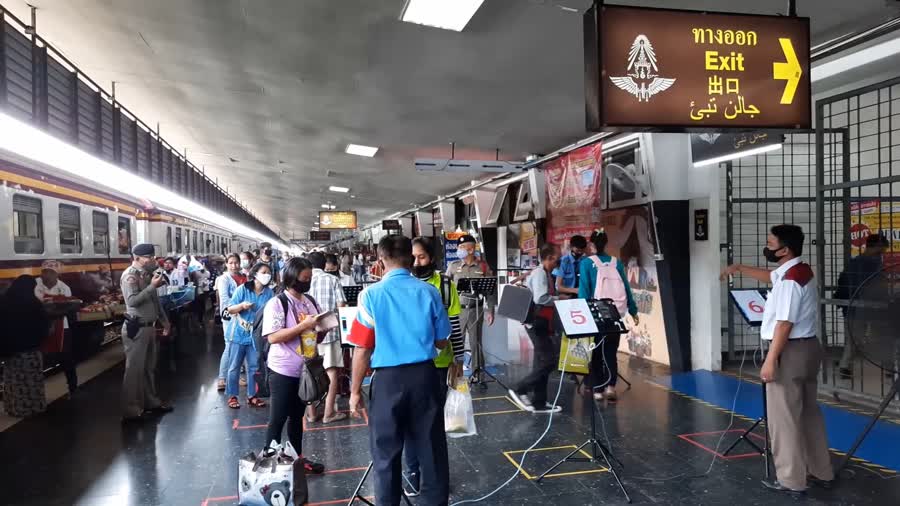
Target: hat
[
  {"x": 51, "y": 265},
  {"x": 143, "y": 250},
  {"x": 466, "y": 238}
]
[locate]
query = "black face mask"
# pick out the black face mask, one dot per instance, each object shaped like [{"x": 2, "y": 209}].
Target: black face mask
[
  {"x": 577, "y": 256},
  {"x": 423, "y": 271},
  {"x": 770, "y": 255},
  {"x": 300, "y": 286}
]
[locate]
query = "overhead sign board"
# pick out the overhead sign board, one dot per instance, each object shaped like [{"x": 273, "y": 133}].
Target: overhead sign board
[
  {"x": 319, "y": 235},
  {"x": 390, "y": 225},
  {"x": 708, "y": 146},
  {"x": 337, "y": 220},
  {"x": 677, "y": 70}
]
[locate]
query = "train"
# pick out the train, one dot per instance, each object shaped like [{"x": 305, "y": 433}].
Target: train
[{"x": 86, "y": 231}]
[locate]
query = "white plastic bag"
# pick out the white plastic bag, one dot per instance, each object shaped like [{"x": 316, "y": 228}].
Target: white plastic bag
[
  {"x": 273, "y": 476},
  {"x": 459, "y": 414}
]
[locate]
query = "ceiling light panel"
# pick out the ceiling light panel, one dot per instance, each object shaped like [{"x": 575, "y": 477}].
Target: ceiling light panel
[
  {"x": 338, "y": 189},
  {"x": 447, "y": 14},
  {"x": 360, "y": 150}
]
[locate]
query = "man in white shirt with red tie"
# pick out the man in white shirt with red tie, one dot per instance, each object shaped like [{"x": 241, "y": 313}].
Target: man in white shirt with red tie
[{"x": 790, "y": 371}]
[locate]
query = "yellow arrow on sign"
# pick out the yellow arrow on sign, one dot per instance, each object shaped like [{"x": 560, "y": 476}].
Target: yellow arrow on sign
[{"x": 790, "y": 71}]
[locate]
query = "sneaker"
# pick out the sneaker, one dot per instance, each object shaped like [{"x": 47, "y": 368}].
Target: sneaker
[
  {"x": 610, "y": 393},
  {"x": 411, "y": 485},
  {"x": 520, "y": 400},
  {"x": 598, "y": 395},
  {"x": 776, "y": 486},
  {"x": 312, "y": 467},
  {"x": 548, "y": 409}
]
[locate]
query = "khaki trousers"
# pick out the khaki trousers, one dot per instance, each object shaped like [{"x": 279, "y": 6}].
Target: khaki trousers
[
  {"x": 471, "y": 322},
  {"x": 139, "y": 384},
  {"x": 799, "y": 443}
]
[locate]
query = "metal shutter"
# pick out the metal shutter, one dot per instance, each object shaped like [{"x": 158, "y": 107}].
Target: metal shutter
[
  {"x": 60, "y": 99},
  {"x": 26, "y": 204},
  {"x": 143, "y": 153},
  {"x": 69, "y": 216},
  {"x": 88, "y": 117},
  {"x": 18, "y": 74},
  {"x": 155, "y": 164},
  {"x": 107, "y": 150},
  {"x": 126, "y": 142}
]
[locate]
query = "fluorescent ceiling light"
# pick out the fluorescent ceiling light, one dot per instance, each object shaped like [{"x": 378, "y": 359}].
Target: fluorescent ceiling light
[
  {"x": 620, "y": 141},
  {"x": 29, "y": 142},
  {"x": 338, "y": 189},
  {"x": 360, "y": 150},
  {"x": 328, "y": 206},
  {"x": 741, "y": 154},
  {"x": 856, "y": 59},
  {"x": 446, "y": 14}
]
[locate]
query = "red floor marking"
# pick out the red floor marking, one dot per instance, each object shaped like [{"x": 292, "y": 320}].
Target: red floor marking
[
  {"x": 236, "y": 424},
  {"x": 687, "y": 437},
  {"x": 209, "y": 500},
  {"x": 336, "y": 501}
]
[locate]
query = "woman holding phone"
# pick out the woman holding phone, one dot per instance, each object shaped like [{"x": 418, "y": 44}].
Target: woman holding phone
[
  {"x": 246, "y": 301},
  {"x": 292, "y": 325}
]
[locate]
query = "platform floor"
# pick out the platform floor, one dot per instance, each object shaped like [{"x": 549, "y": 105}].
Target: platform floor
[{"x": 664, "y": 430}]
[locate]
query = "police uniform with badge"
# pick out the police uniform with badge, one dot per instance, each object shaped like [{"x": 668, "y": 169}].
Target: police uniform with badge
[
  {"x": 472, "y": 314},
  {"x": 143, "y": 311}
]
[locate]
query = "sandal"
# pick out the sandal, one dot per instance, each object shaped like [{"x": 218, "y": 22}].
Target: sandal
[
  {"x": 334, "y": 418},
  {"x": 256, "y": 402},
  {"x": 233, "y": 403},
  {"x": 221, "y": 385}
]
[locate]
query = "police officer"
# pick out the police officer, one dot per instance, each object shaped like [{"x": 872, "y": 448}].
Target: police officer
[
  {"x": 143, "y": 311},
  {"x": 472, "y": 315}
]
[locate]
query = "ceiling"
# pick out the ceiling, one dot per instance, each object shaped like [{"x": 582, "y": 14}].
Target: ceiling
[{"x": 265, "y": 94}]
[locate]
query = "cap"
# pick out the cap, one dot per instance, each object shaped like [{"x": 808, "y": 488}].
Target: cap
[
  {"x": 143, "y": 250},
  {"x": 466, "y": 238},
  {"x": 51, "y": 265}
]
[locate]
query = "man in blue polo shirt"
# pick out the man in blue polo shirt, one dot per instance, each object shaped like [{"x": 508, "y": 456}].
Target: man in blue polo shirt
[{"x": 400, "y": 323}]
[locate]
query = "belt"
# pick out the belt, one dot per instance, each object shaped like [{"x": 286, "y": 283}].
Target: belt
[
  {"x": 802, "y": 338},
  {"x": 141, "y": 324}
]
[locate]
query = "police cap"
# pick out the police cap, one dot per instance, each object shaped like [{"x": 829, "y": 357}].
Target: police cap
[
  {"x": 466, "y": 238},
  {"x": 143, "y": 250}
]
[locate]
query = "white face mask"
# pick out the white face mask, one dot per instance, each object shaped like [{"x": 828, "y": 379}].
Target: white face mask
[
  {"x": 245, "y": 264},
  {"x": 264, "y": 279}
]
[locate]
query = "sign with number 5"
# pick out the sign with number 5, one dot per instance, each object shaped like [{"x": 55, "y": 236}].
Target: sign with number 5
[{"x": 575, "y": 316}]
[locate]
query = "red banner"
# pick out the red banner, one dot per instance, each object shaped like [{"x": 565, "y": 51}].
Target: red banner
[{"x": 574, "y": 193}]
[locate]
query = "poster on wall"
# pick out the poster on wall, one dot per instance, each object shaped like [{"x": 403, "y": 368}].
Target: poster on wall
[
  {"x": 875, "y": 217},
  {"x": 632, "y": 241},
  {"x": 574, "y": 193},
  {"x": 521, "y": 246}
]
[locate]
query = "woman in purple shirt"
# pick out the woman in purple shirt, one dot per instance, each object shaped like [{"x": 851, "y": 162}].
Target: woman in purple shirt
[{"x": 289, "y": 334}]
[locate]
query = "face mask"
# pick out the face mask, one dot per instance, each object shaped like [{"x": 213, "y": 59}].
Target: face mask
[
  {"x": 150, "y": 266},
  {"x": 264, "y": 279},
  {"x": 245, "y": 264},
  {"x": 300, "y": 286},
  {"x": 423, "y": 271},
  {"x": 770, "y": 255},
  {"x": 576, "y": 256}
]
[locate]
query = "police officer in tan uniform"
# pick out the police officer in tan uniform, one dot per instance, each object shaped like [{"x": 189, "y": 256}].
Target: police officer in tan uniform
[
  {"x": 473, "y": 313},
  {"x": 143, "y": 311}
]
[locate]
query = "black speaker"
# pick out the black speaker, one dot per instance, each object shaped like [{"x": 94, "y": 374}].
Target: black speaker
[{"x": 515, "y": 303}]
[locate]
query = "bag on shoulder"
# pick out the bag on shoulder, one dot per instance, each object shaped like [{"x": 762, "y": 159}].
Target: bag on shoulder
[
  {"x": 609, "y": 284},
  {"x": 314, "y": 381}
]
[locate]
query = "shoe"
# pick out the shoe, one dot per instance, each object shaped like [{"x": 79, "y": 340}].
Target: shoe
[
  {"x": 598, "y": 395},
  {"x": 411, "y": 485},
  {"x": 312, "y": 467},
  {"x": 610, "y": 393},
  {"x": 160, "y": 410},
  {"x": 547, "y": 409},
  {"x": 774, "y": 485},
  {"x": 520, "y": 400},
  {"x": 815, "y": 482},
  {"x": 334, "y": 418}
]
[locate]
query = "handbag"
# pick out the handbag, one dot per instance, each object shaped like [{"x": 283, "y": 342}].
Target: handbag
[
  {"x": 272, "y": 476},
  {"x": 314, "y": 380}
]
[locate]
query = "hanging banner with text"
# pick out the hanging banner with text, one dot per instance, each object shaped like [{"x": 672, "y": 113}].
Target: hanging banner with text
[
  {"x": 574, "y": 193},
  {"x": 675, "y": 70}
]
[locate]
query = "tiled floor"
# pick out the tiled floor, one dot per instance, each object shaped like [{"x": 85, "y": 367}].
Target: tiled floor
[{"x": 77, "y": 453}]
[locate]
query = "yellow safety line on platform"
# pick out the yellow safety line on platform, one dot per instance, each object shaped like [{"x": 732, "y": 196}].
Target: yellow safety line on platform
[{"x": 508, "y": 455}]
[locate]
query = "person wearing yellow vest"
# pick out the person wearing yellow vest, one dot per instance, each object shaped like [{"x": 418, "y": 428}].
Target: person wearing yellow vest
[{"x": 450, "y": 359}]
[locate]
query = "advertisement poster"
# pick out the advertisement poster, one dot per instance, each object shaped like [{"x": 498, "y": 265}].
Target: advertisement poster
[
  {"x": 521, "y": 246},
  {"x": 574, "y": 193},
  {"x": 632, "y": 241},
  {"x": 875, "y": 217}
]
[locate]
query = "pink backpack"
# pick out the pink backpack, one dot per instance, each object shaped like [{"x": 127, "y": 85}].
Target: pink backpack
[{"x": 609, "y": 284}]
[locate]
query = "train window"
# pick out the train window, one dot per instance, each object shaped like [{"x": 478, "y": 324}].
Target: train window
[
  {"x": 69, "y": 229},
  {"x": 28, "y": 225},
  {"x": 101, "y": 232},
  {"x": 124, "y": 235},
  {"x": 178, "y": 240},
  {"x": 168, "y": 240}
]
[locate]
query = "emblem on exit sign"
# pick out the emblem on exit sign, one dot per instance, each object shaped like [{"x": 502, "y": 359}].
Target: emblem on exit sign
[{"x": 643, "y": 81}]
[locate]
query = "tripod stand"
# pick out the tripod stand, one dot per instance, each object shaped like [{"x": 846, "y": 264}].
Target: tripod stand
[
  {"x": 479, "y": 288},
  {"x": 598, "y": 451},
  {"x": 357, "y": 496},
  {"x": 745, "y": 436}
]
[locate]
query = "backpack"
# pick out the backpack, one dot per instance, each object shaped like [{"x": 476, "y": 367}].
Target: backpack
[{"x": 609, "y": 284}]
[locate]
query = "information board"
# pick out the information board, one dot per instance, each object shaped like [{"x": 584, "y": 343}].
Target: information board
[
  {"x": 576, "y": 317},
  {"x": 751, "y": 303},
  {"x": 675, "y": 70},
  {"x": 337, "y": 220},
  {"x": 319, "y": 235}
]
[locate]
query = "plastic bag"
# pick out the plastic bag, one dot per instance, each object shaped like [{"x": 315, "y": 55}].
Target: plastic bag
[
  {"x": 273, "y": 476},
  {"x": 459, "y": 414},
  {"x": 575, "y": 355}
]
